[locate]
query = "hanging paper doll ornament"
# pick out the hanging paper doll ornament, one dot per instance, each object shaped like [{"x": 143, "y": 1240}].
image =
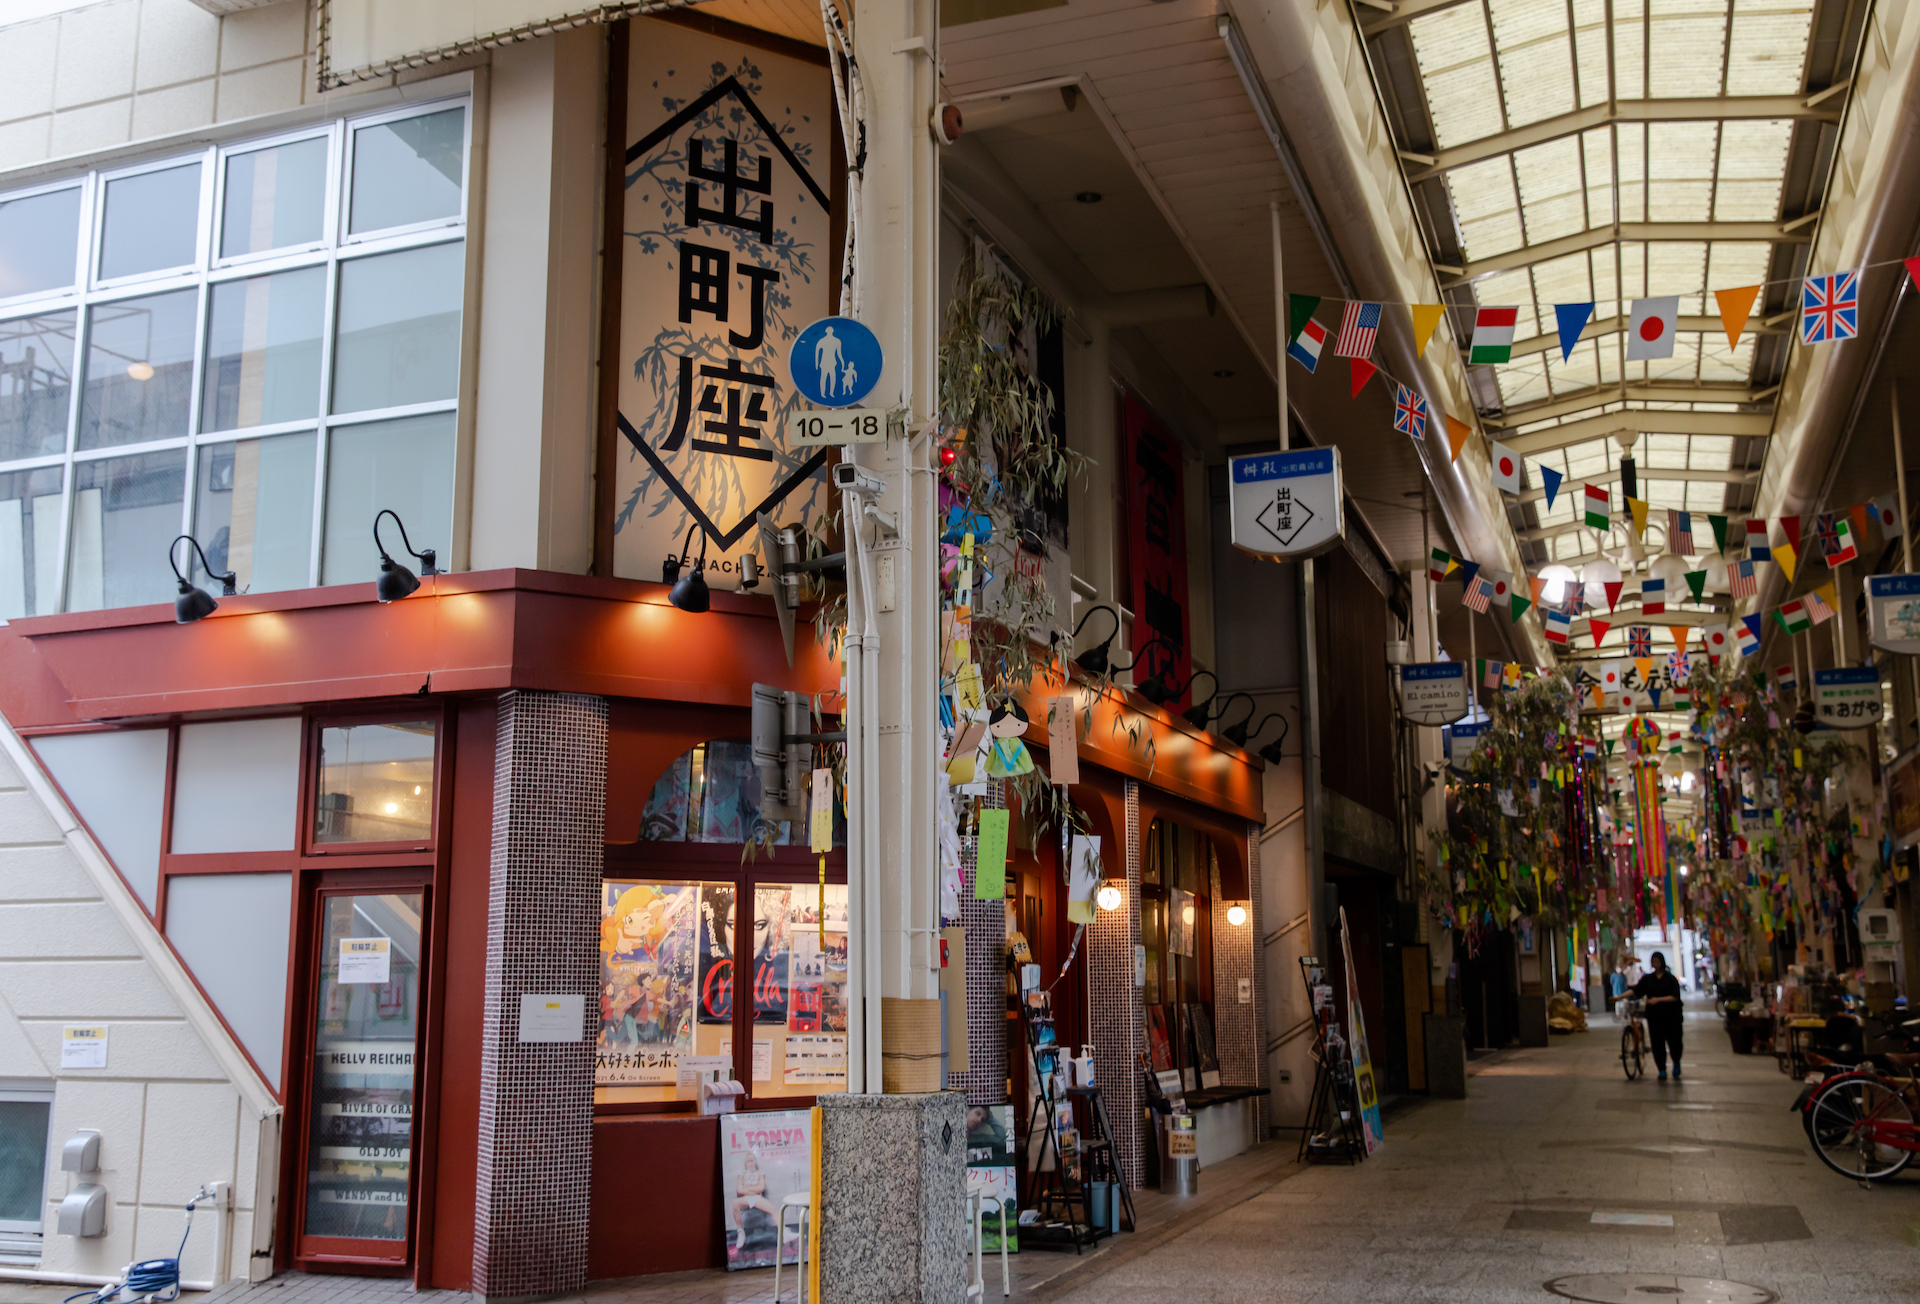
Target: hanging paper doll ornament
[{"x": 1007, "y": 756}]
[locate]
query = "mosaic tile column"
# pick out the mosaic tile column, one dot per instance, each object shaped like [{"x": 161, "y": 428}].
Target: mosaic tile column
[
  {"x": 1236, "y": 1029},
  {"x": 536, "y": 1098},
  {"x": 985, "y": 1081},
  {"x": 1116, "y": 1015}
]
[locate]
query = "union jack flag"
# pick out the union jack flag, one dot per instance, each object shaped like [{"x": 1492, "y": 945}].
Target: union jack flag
[
  {"x": 1829, "y": 533},
  {"x": 1830, "y": 308},
  {"x": 1740, "y": 580},
  {"x": 1639, "y": 640},
  {"x": 1677, "y": 666},
  {"x": 1358, "y": 325},
  {"x": 1409, "y": 413}
]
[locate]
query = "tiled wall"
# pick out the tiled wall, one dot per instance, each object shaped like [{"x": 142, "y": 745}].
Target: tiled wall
[
  {"x": 1116, "y": 1014},
  {"x": 536, "y": 1098},
  {"x": 985, "y": 1080},
  {"x": 1236, "y": 1027}
]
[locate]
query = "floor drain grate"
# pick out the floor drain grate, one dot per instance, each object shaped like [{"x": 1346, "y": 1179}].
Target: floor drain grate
[{"x": 1646, "y": 1287}]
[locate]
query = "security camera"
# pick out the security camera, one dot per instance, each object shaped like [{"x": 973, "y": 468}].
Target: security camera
[
  {"x": 849, "y": 478},
  {"x": 946, "y": 124}
]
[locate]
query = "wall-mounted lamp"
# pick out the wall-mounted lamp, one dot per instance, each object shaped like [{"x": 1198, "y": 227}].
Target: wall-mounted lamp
[
  {"x": 1094, "y": 659},
  {"x": 1236, "y": 733},
  {"x": 1110, "y": 896},
  {"x": 396, "y": 581},
  {"x": 1240, "y": 734},
  {"x": 689, "y": 592},
  {"x": 1153, "y": 687},
  {"x": 193, "y": 603},
  {"x": 1196, "y": 715},
  {"x": 1236, "y": 914}
]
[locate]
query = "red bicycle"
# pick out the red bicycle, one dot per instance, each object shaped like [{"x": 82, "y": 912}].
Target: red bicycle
[{"x": 1863, "y": 1122}]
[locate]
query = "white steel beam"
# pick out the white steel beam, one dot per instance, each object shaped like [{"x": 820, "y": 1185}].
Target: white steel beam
[
  {"x": 1643, "y": 421},
  {"x": 1537, "y": 495},
  {"x": 1599, "y": 396},
  {"x": 1629, "y": 231}
]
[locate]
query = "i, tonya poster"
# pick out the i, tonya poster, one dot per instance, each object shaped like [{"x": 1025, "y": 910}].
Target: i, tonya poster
[
  {"x": 763, "y": 1157},
  {"x": 648, "y": 950},
  {"x": 726, "y": 258}
]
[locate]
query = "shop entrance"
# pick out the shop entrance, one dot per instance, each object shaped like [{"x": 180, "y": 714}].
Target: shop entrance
[{"x": 355, "y": 1176}]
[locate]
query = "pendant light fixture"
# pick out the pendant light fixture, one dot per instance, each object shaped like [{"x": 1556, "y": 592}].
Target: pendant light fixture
[
  {"x": 192, "y": 603},
  {"x": 396, "y": 581}
]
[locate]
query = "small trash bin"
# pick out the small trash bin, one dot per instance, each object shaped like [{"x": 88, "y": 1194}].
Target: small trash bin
[{"x": 1180, "y": 1171}]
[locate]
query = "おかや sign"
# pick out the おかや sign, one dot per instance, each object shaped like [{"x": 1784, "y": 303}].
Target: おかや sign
[{"x": 1847, "y": 697}]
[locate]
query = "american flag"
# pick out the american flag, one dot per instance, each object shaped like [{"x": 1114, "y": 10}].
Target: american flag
[
  {"x": 1358, "y": 325},
  {"x": 1679, "y": 532},
  {"x": 1830, "y": 308},
  {"x": 1817, "y": 607},
  {"x": 1409, "y": 413},
  {"x": 1639, "y": 640},
  {"x": 1478, "y": 592},
  {"x": 1740, "y": 580}
]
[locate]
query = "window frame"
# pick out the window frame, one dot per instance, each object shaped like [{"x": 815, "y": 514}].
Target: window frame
[
  {"x": 88, "y": 292},
  {"x": 407, "y": 851},
  {"x": 17, "y": 1092}
]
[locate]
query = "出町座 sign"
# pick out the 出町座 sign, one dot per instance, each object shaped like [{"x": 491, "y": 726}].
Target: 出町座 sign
[
  {"x": 1434, "y": 693},
  {"x": 1893, "y": 609},
  {"x": 1847, "y": 697},
  {"x": 1286, "y": 505}
]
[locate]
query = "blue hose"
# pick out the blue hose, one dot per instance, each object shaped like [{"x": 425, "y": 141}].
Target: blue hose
[{"x": 149, "y": 1277}]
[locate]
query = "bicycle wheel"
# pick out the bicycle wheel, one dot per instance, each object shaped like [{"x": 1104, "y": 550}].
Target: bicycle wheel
[
  {"x": 1843, "y": 1113},
  {"x": 1630, "y": 1052}
]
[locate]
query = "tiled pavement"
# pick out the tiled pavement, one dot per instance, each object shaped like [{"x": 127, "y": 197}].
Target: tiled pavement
[{"x": 1483, "y": 1200}]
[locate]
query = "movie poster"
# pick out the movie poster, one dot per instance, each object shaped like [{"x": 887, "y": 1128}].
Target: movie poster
[
  {"x": 817, "y": 968},
  {"x": 648, "y": 937},
  {"x": 990, "y": 1171},
  {"x": 763, "y": 1158},
  {"x": 771, "y": 939}
]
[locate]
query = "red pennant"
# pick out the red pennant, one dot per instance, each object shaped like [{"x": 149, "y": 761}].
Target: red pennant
[
  {"x": 1362, "y": 373},
  {"x": 1913, "y": 270},
  {"x": 1613, "y": 594},
  {"x": 1599, "y": 628},
  {"x": 1791, "y": 524}
]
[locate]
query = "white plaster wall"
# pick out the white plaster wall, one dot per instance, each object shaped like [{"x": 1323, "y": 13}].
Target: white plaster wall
[{"x": 176, "y": 1105}]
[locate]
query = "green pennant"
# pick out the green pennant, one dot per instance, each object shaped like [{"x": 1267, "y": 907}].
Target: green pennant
[
  {"x": 1697, "y": 581},
  {"x": 1719, "y": 524},
  {"x": 1520, "y": 606},
  {"x": 1300, "y": 310},
  {"x": 1610, "y": 746}
]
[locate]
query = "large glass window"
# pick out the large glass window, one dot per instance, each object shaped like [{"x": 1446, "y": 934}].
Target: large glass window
[
  {"x": 376, "y": 782},
  {"x": 24, "y": 1119},
  {"x": 265, "y": 337},
  {"x": 1176, "y": 891}
]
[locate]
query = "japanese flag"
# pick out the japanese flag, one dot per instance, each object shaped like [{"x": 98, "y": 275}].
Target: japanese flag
[
  {"x": 1651, "y": 327},
  {"x": 1502, "y": 585},
  {"x": 1506, "y": 469},
  {"x": 1610, "y": 677},
  {"x": 1632, "y": 700},
  {"x": 1717, "y": 639}
]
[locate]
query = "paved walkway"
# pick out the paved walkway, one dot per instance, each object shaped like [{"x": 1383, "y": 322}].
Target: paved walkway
[{"x": 1485, "y": 1200}]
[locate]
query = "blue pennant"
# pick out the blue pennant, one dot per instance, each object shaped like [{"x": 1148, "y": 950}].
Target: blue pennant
[
  {"x": 1573, "y": 318},
  {"x": 1550, "y": 481}
]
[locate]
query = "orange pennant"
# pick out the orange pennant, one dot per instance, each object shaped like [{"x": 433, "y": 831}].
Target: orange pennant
[
  {"x": 1680, "y": 634},
  {"x": 1538, "y": 584},
  {"x": 1735, "y": 307},
  {"x": 1457, "y": 433},
  {"x": 1362, "y": 371},
  {"x": 1645, "y": 666},
  {"x": 1859, "y": 514}
]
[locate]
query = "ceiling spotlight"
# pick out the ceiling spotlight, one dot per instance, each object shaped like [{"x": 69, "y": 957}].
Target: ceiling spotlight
[
  {"x": 193, "y": 603},
  {"x": 396, "y": 581},
  {"x": 689, "y": 592},
  {"x": 140, "y": 370},
  {"x": 1089, "y": 196}
]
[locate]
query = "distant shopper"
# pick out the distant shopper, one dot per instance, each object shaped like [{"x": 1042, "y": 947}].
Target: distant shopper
[{"x": 1661, "y": 991}]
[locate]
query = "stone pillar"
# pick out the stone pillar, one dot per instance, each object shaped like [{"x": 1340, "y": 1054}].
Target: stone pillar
[
  {"x": 1115, "y": 1013},
  {"x": 911, "y": 1244},
  {"x": 985, "y": 1081},
  {"x": 536, "y": 1098}
]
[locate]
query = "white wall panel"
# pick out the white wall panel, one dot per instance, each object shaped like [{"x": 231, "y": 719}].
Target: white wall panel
[
  {"x": 117, "y": 783},
  {"x": 237, "y": 786},
  {"x": 231, "y": 929}
]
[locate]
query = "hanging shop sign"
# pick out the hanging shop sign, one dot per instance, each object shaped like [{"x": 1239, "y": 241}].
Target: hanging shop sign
[
  {"x": 1893, "y": 608},
  {"x": 1287, "y": 505},
  {"x": 1463, "y": 740},
  {"x": 1156, "y": 549},
  {"x": 726, "y": 229},
  {"x": 1847, "y": 697},
  {"x": 1434, "y": 692}
]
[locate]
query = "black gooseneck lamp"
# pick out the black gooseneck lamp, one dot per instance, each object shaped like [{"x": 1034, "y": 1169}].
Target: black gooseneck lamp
[
  {"x": 1200, "y": 712},
  {"x": 193, "y": 603},
  {"x": 1160, "y": 691},
  {"x": 1274, "y": 750},
  {"x": 1153, "y": 687},
  {"x": 396, "y": 581},
  {"x": 1095, "y": 659},
  {"x": 689, "y": 592},
  {"x": 1237, "y": 733}
]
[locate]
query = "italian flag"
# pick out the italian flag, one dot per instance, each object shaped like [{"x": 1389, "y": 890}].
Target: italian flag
[
  {"x": 1793, "y": 617},
  {"x": 1493, "y": 335},
  {"x": 1599, "y": 507}
]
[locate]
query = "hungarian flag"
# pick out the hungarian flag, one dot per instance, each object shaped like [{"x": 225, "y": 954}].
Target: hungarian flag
[
  {"x": 1599, "y": 508},
  {"x": 1793, "y": 617},
  {"x": 1886, "y": 514},
  {"x": 1757, "y": 549},
  {"x": 1679, "y": 532},
  {"x": 1493, "y": 335},
  {"x": 1305, "y": 347},
  {"x": 1653, "y": 596},
  {"x": 1785, "y": 679}
]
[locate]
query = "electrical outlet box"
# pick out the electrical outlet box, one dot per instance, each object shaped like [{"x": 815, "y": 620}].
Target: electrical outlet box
[{"x": 1286, "y": 1075}]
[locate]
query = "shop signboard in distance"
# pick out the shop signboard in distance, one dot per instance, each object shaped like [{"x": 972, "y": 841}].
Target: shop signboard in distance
[
  {"x": 1287, "y": 505},
  {"x": 1847, "y": 697},
  {"x": 835, "y": 362},
  {"x": 1434, "y": 692},
  {"x": 1463, "y": 740},
  {"x": 1893, "y": 607}
]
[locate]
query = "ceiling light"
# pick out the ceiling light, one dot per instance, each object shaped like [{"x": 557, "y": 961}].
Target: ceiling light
[
  {"x": 140, "y": 370},
  {"x": 396, "y": 581},
  {"x": 393, "y": 808},
  {"x": 1557, "y": 579},
  {"x": 193, "y": 603},
  {"x": 1089, "y": 196}
]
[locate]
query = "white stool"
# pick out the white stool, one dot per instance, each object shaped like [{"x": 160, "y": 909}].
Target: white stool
[
  {"x": 977, "y": 1202},
  {"x": 803, "y": 1202}
]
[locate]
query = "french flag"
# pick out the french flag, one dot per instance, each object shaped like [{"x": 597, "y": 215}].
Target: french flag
[{"x": 1306, "y": 346}]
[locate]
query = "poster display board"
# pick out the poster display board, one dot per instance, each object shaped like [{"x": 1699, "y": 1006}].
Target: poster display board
[
  {"x": 990, "y": 1170},
  {"x": 763, "y": 1158},
  {"x": 1893, "y": 611},
  {"x": 1365, "y": 1087}
]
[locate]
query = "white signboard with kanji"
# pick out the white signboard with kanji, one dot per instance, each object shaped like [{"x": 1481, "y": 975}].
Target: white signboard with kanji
[
  {"x": 1434, "y": 692},
  {"x": 1893, "y": 607},
  {"x": 1287, "y": 505},
  {"x": 725, "y": 260},
  {"x": 1847, "y": 697}
]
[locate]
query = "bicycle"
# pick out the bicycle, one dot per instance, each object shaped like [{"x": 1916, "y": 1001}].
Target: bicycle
[
  {"x": 1633, "y": 1041},
  {"x": 1861, "y": 1120}
]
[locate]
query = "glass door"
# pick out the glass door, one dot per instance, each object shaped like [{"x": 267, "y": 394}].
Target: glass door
[{"x": 358, "y": 1169}]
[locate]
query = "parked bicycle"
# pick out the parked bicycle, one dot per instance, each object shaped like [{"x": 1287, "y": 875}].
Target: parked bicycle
[
  {"x": 1634, "y": 1044},
  {"x": 1861, "y": 1121}
]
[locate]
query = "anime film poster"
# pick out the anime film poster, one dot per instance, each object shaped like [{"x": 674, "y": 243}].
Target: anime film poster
[
  {"x": 648, "y": 939},
  {"x": 763, "y": 1158},
  {"x": 727, "y": 257},
  {"x": 990, "y": 1171}
]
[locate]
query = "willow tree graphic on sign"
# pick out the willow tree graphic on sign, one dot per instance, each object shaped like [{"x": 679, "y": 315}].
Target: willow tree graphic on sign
[{"x": 725, "y": 260}]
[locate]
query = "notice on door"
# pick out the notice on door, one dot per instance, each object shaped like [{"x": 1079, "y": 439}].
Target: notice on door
[
  {"x": 365, "y": 960},
  {"x": 83, "y": 1047}
]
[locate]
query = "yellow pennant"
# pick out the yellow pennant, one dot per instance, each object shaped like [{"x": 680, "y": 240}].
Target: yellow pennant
[
  {"x": 1425, "y": 317},
  {"x": 1827, "y": 595},
  {"x": 1783, "y": 558},
  {"x": 1638, "y": 507},
  {"x": 1457, "y": 433},
  {"x": 1735, "y": 307}
]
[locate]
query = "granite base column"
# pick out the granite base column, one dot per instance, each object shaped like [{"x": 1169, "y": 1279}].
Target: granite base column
[{"x": 893, "y": 1199}]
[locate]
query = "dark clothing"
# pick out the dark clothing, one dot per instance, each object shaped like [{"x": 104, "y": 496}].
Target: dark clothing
[{"x": 1663, "y": 1020}]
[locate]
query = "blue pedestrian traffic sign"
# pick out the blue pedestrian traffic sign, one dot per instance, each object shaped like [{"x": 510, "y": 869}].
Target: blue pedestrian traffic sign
[{"x": 835, "y": 362}]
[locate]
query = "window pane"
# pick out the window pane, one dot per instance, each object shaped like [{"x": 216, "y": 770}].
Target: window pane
[
  {"x": 263, "y": 350},
  {"x": 39, "y": 241},
  {"x": 398, "y": 336},
  {"x": 36, "y": 383},
  {"x": 253, "y": 511},
  {"x": 405, "y": 465},
  {"x": 30, "y": 543},
  {"x": 152, "y": 222},
  {"x": 126, "y": 510},
  {"x": 654, "y": 943},
  {"x": 800, "y": 987},
  {"x": 274, "y": 198},
  {"x": 407, "y": 171},
  {"x": 23, "y": 1159},
  {"x": 139, "y": 370},
  {"x": 376, "y": 783}
]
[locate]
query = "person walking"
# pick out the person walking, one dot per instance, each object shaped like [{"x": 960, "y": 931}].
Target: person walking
[{"x": 1665, "y": 1011}]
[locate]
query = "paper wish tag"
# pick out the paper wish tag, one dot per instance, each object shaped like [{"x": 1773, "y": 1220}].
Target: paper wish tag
[
  {"x": 1063, "y": 746},
  {"x": 820, "y": 812},
  {"x": 966, "y": 759},
  {"x": 967, "y": 694}
]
